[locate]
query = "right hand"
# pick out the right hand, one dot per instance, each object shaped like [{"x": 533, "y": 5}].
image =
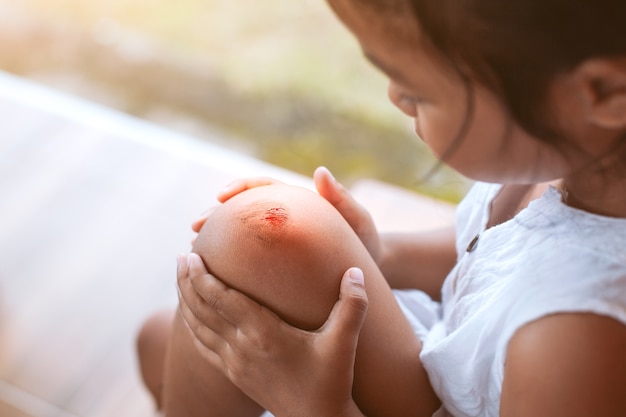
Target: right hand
[
  {"x": 328, "y": 187},
  {"x": 286, "y": 370}
]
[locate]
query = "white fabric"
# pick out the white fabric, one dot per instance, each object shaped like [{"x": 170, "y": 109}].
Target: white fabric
[{"x": 550, "y": 258}]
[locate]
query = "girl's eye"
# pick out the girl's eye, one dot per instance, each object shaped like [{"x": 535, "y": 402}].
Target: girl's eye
[
  {"x": 406, "y": 100},
  {"x": 408, "y": 104}
]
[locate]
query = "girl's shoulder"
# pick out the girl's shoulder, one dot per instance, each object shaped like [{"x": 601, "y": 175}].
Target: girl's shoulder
[{"x": 579, "y": 359}]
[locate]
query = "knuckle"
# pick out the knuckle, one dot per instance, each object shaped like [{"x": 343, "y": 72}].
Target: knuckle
[
  {"x": 239, "y": 367},
  {"x": 213, "y": 296},
  {"x": 359, "y": 301},
  {"x": 215, "y": 302},
  {"x": 190, "y": 315},
  {"x": 259, "y": 341}
]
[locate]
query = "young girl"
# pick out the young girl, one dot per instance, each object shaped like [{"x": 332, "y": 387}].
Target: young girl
[{"x": 528, "y": 98}]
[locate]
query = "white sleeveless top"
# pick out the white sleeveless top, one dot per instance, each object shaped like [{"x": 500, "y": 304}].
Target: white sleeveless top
[{"x": 549, "y": 258}]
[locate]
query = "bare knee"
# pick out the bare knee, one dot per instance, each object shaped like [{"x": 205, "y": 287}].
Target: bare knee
[
  {"x": 285, "y": 246},
  {"x": 288, "y": 248}
]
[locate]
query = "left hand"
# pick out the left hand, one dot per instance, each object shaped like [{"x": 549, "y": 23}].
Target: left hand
[
  {"x": 232, "y": 189},
  {"x": 354, "y": 213},
  {"x": 328, "y": 187},
  {"x": 286, "y": 370}
]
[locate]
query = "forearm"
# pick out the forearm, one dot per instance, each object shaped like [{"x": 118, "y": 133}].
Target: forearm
[{"x": 418, "y": 260}]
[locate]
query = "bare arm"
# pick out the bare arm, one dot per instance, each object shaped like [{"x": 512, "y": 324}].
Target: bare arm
[
  {"x": 418, "y": 260},
  {"x": 570, "y": 365}
]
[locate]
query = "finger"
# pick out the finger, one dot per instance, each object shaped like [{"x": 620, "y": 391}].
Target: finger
[
  {"x": 218, "y": 357},
  {"x": 328, "y": 186},
  {"x": 337, "y": 195},
  {"x": 235, "y": 307},
  {"x": 193, "y": 304},
  {"x": 348, "y": 314},
  {"x": 205, "y": 335},
  {"x": 199, "y": 222},
  {"x": 210, "y": 356},
  {"x": 209, "y": 290},
  {"x": 242, "y": 185},
  {"x": 206, "y": 350},
  {"x": 182, "y": 268}
]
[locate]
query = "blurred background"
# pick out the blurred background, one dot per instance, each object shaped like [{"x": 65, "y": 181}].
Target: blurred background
[
  {"x": 96, "y": 204},
  {"x": 279, "y": 80}
]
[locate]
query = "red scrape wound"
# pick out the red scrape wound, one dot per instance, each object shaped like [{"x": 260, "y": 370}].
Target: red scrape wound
[{"x": 275, "y": 216}]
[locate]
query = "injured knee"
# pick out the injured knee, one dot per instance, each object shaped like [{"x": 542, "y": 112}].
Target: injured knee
[
  {"x": 284, "y": 246},
  {"x": 265, "y": 220}
]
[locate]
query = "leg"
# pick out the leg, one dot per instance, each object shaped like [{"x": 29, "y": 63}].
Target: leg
[
  {"x": 165, "y": 353},
  {"x": 287, "y": 248},
  {"x": 151, "y": 347},
  {"x": 192, "y": 388}
]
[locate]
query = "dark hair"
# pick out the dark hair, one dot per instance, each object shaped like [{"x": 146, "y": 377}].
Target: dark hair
[{"x": 516, "y": 47}]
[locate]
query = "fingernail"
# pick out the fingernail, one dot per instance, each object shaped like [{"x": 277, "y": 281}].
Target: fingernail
[
  {"x": 356, "y": 276},
  {"x": 330, "y": 174},
  {"x": 228, "y": 187},
  {"x": 193, "y": 260}
]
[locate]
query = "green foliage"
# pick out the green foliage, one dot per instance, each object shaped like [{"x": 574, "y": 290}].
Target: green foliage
[{"x": 282, "y": 77}]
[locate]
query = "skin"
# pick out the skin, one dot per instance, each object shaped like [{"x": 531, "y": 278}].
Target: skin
[
  {"x": 185, "y": 378},
  {"x": 590, "y": 166},
  {"x": 552, "y": 368},
  {"x": 268, "y": 242}
]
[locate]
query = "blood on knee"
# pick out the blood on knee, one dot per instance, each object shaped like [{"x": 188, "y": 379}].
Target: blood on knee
[
  {"x": 285, "y": 247},
  {"x": 276, "y": 216},
  {"x": 264, "y": 220}
]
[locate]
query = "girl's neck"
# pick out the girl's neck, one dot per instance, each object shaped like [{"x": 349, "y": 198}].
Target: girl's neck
[
  {"x": 606, "y": 198},
  {"x": 512, "y": 199},
  {"x": 599, "y": 188},
  {"x": 599, "y": 185},
  {"x": 601, "y": 195}
]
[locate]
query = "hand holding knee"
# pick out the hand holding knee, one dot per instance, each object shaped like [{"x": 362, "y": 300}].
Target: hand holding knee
[{"x": 284, "y": 246}]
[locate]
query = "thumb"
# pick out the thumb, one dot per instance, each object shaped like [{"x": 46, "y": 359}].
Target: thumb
[
  {"x": 349, "y": 312},
  {"x": 336, "y": 194},
  {"x": 327, "y": 186}
]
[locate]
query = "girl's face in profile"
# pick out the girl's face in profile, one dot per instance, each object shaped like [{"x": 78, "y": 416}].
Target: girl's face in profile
[{"x": 491, "y": 146}]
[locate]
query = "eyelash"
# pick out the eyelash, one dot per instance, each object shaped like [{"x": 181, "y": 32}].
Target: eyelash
[{"x": 407, "y": 100}]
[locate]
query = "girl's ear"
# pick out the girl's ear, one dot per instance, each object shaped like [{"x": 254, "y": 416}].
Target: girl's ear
[{"x": 604, "y": 88}]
